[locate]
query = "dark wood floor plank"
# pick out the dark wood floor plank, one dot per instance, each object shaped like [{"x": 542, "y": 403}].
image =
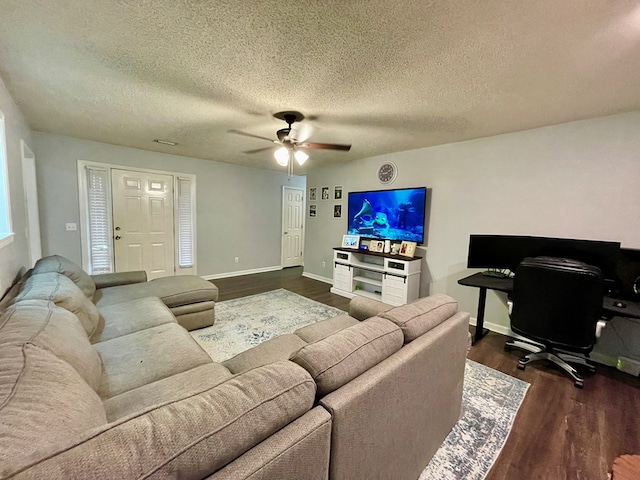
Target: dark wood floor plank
[{"x": 561, "y": 432}]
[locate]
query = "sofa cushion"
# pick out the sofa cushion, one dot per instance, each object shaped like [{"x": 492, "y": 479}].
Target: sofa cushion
[
  {"x": 11, "y": 294},
  {"x": 147, "y": 356},
  {"x": 276, "y": 349},
  {"x": 189, "y": 438},
  {"x": 64, "y": 266},
  {"x": 341, "y": 357},
  {"x": 43, "y": 402},
  {"x": 322, "y": 329},
  {"x": 173, "y": 291},
  {"x": 55, "y": 329},
  {"x": 422, "y": 315},
  {"x": 169, "y": 389},
  {"x": 132, "y": 316},
  {"x": 64, "y": 293}
]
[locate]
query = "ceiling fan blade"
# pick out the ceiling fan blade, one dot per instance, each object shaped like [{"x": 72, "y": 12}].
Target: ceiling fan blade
[
  {"x": 257, "y": 150},
  {"x": 238, "y": 132},
  {"x": 325, "y": 146}
]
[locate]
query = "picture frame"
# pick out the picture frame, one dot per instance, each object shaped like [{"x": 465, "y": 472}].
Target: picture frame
[
  {"x": 313, "y": 210},
  {"x": 376, "y": 246},
  {"x": 408, "y": 249},
  {"x": 337, "y": 211},
  {"x": 313, "y": 194},
  {"x": 325, "y": 193},
  {"x": 351, "y": 241},
  {"x": 337, "y": 192}
]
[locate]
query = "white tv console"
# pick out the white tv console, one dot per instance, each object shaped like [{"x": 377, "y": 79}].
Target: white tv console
[{"x": 392, "y": 279}]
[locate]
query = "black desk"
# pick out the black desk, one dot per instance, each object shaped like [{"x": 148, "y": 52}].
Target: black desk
[{"x": 505, "y": 284}]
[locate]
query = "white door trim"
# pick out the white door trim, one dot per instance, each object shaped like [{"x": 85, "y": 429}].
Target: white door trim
[
  {"x": 84, "y": 214},
  {"x": 30, "y": 185}
]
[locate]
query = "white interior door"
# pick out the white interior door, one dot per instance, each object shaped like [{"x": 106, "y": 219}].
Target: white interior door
[
  {"x": 292, "y": 226},
  {"x": 31, "y": 203},
  {"x": 143, "y": 222}
]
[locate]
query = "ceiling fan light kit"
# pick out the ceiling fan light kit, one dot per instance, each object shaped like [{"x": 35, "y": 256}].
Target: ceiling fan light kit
[{"x": 290, "y": 145}]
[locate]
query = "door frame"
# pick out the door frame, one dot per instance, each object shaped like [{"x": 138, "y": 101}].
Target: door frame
[
  {"x": 30, "y": 186},
  {"x": 282, "y": 225},
  {"x": 84, "y": 213}
]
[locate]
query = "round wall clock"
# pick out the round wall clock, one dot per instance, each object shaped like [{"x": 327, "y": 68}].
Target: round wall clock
[{"x": 387, "y": 172}]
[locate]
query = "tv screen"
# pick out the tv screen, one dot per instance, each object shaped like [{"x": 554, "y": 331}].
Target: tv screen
[{"x": 388, "y": 214}]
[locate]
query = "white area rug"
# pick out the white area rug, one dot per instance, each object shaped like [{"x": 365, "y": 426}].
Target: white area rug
[{"x": 490, "y": 399}]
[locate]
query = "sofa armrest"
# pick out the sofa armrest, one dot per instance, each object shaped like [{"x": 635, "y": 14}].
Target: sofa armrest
[
  {"x": 363, "y": 307},
  {"x": 105, "y": 280}
]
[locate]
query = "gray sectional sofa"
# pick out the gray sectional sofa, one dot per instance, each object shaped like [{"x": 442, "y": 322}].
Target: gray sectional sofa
[{"x": 91, "y": 387}]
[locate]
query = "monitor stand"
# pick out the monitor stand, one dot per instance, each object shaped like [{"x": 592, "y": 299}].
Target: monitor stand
[{"x": 495, "y": 273}]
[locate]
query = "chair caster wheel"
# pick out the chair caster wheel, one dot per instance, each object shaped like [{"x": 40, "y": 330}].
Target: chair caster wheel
[{"x": 520, "y": 366}]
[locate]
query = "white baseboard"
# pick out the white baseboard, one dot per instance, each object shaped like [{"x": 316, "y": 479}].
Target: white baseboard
[
  {"x": 318, "y": 277},
  {"x": 495, "y": 327},
  {"x": 242, "y": 272}
]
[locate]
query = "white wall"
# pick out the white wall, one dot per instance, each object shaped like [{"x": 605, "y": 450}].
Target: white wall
[
  {"x": 14, "y": 256},
  {"x": 238, "y": 208},
  {"x": 575, "y": 180}
]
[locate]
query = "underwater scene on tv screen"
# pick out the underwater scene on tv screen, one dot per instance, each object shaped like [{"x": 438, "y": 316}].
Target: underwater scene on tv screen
[{"x": 388, "y": 214}]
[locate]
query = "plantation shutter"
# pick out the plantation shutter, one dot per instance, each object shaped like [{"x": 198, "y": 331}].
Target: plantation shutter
[
  {"x": 185, "y": 223},
  {"x": 100, "y": 242}
]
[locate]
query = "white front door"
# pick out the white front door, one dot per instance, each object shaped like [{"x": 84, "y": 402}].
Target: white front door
[
  {"x": 143, "y": 222},
  {"x": 292, "y": 226}
]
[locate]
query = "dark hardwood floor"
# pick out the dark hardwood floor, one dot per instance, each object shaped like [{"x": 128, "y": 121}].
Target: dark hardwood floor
[{"x": 561, "y": 432}]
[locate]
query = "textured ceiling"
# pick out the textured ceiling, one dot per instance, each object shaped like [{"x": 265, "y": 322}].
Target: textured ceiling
[{"x": 385, "y": 76}]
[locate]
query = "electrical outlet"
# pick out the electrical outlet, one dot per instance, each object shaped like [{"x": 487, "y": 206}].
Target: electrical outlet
[
  {"x": 72, "y": 227},
  {"x": 324, "y": 264},
  {"x": 236, "y": 260}
]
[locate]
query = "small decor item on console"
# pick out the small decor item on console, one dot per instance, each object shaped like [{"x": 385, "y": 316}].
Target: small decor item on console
[
  {"x": 376, "y": 246},
  {"x": 408, "y": 249},
  {"x": 350, "y": 241},
  {"x": 395, "y": 248},
  {"x": 387, "y": 246}
]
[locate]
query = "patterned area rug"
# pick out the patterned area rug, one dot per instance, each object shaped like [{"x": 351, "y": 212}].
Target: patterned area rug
[
  {"x": 244, "y": 322},
  {"x": 490, "y": 399}
]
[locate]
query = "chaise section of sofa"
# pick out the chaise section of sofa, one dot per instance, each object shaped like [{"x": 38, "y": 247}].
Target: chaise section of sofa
[{"x": 190, "y": 298}]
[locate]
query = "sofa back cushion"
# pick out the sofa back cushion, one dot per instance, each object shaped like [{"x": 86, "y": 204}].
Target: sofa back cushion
[
  {"x": 55, "y": 329},
  {"x": 341, "y": 357},
  {"x": 43, "y": 402},
  {"x": 11, "y": 294},
  {"x": 190, "y": 437},
  {"x": 64, "y": 266},
  {"x": 64, "y": 293},
  {"x": 421, "y": 315}
]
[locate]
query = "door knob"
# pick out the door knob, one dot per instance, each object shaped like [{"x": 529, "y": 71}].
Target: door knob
[{"x": 118, "y": 237}]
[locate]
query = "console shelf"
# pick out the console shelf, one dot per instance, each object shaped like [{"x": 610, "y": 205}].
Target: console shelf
[{"x": 392, "y": 279}]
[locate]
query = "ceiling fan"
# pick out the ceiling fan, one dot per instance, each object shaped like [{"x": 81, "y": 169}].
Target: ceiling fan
[{"x": 292, "y": 144}]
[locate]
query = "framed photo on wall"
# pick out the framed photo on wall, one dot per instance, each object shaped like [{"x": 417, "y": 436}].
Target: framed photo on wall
[
  {"x": 312, "y": 210},
  {"x": 337, "y": 211},
  {"x": 351, "y": 241},
  {"x": 408, "y": 249},
  {"x": 325, "y": 193},
  {"x": 337, "y": 192},
  {"x": 313, "y": 194}
]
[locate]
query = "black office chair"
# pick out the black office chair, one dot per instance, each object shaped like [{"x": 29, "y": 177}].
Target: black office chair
[{"x": 557, "y": 303}]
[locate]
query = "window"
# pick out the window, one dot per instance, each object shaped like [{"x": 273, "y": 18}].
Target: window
[
  {"x": 99, "y": 213},
  {"x": 185, "y": 223},
  {"x": 6, "y": 233}
]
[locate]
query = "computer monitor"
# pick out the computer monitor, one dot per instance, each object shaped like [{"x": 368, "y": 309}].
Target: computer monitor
[{"x": 507, "y": 251}]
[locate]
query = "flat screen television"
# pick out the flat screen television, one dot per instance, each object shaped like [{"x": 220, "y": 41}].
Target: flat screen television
[{"x": 396, "y": 214}]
